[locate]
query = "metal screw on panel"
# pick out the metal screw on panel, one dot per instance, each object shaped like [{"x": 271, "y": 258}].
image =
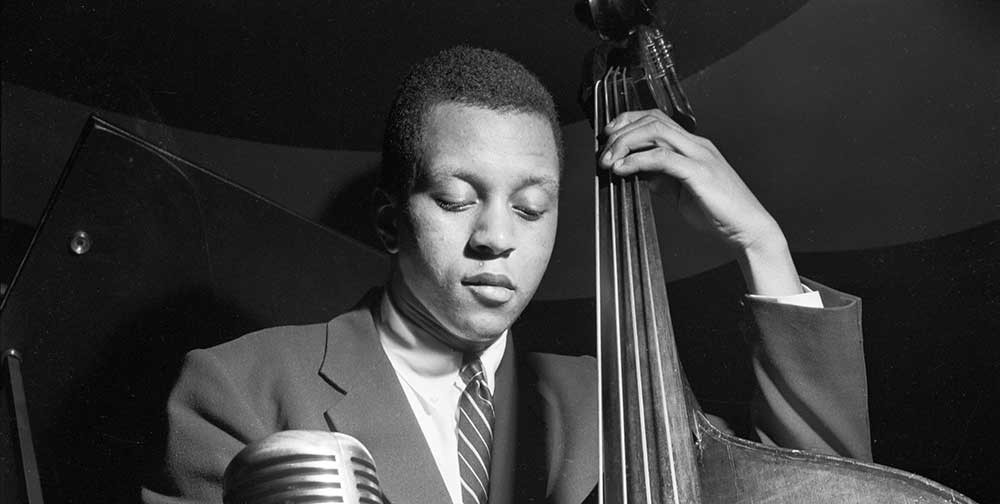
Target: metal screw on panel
[{"x": 80, "y": 243}]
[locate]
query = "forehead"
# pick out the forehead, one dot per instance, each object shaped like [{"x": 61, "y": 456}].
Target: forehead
[{"x": 475, "y": 141}]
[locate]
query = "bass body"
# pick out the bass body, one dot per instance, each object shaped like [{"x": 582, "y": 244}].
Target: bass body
[{"x": 656, "y": 445}]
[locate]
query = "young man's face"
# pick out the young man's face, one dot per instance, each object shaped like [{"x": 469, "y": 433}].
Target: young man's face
[{"x": 482, "y": 221}]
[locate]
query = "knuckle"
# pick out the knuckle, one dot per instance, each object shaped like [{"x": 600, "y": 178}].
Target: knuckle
[
  {"x": 662, "y": 128},
  {"x": 667, "y": 119},
  {"x": 666, "y": 155},
  {"x": 706, "y": 147},
  {"x": 704, "y": 142}
]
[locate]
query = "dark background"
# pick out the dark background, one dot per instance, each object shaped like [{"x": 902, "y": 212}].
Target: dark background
[{"x": 869, "y": 131}]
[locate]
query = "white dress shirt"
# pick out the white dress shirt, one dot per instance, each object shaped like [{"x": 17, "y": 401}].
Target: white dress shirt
[
  {"x": 808, "y": 298},
  {"x": 428, "y": 371}
]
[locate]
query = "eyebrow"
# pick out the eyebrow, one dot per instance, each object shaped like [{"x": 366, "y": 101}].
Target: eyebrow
[{"x": 548, "y": 184}]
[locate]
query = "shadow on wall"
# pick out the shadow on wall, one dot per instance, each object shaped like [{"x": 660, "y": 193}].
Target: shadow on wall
[{"x": 350, "y": 209}]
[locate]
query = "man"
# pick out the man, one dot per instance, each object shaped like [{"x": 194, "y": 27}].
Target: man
[{"x": 426, "y": 373}]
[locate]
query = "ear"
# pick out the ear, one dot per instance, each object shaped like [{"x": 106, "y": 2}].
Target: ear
[{"x": 387, "y": 215}]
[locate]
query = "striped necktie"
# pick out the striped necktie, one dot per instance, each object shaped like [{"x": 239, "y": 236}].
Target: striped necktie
[{"x": 475, "y": 433}]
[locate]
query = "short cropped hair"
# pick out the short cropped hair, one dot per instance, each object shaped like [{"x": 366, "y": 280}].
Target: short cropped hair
[{"x": 463, "y": 75}]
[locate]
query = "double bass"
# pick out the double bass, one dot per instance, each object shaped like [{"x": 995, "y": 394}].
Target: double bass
[{"x": 656, "y": 445}]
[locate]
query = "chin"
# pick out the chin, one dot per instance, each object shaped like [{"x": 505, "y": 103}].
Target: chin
[{"x": 486, "y": 327}]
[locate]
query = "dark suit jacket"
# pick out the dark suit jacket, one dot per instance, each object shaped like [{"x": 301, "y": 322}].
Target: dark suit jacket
[{"x": 335, "y": 376}]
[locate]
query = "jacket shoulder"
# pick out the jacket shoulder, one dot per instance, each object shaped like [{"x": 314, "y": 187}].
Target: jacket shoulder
[
  {"x": 568, "y": 384},
  {"x": 565, "y": 372},
  {"x": 569, "y": 388},
  {"x": 288, "y": 347},
  {"x": 297, "y": 346}
]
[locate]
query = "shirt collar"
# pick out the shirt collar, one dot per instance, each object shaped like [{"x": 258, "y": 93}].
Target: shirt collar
[{"x": 427, "y": 358}]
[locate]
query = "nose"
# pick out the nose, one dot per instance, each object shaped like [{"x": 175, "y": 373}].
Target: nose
[{"x": 493, "y": 235}]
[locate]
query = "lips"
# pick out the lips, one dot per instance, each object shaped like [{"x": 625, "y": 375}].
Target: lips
[
  {"x": 489, "y": 280},
  {"x": 491, "y": 289}
]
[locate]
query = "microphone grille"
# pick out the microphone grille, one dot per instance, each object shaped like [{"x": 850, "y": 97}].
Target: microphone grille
[{"x": 300, "y": 467}]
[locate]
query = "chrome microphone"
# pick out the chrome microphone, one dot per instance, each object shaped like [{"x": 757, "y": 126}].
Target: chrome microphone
[{"x": 302, "y": 466}]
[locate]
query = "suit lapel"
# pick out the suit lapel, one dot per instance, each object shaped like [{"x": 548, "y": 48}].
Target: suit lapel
[
  {"x": 375, "y": 410},
  {"x": 518, "y": 470},
  {"x": 372, "y": 407},
  {"x": 505, "y": 399}
]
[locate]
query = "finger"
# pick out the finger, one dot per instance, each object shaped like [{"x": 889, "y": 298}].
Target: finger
[
  {"x": 626, "y": 118},
  {"x": 650, "y": 133},
  {"x": 628, "y": 121},
  {"x": 641, "y": 122},
  {"x": 660, "y": 160}
]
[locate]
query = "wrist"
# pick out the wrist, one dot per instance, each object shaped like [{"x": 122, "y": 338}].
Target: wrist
[
  {"x": 768, "y": 244},
  {"x": 767, "y": 266}
]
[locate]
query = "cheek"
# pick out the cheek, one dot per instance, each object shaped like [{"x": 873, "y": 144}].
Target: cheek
[
  {"x": 541, "y": 242},
  {"x": 550, "y": 233},
  {"x": 437, "y": 242}
]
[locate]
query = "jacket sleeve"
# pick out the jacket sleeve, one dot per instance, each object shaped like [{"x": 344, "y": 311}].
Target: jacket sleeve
[
  {"x": 211, "y": 419},
  {"x": 809, "y": 365}
]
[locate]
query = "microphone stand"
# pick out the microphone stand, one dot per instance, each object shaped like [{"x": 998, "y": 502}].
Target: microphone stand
[{"x": 15, "y": 386}]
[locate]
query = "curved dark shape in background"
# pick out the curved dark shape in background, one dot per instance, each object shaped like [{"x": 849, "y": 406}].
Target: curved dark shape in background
[
  {"x": 313, "y": 74},
  {"x": 857, "y": 125}
]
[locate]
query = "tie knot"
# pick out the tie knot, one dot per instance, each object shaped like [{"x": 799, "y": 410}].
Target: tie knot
[{"x": 472, "y": 370}]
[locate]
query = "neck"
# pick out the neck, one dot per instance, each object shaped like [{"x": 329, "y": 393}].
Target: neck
[{"x": 424, "y": 323}]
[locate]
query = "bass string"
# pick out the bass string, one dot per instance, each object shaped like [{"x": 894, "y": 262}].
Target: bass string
[
  {"x": 644, "y": 329},
  {"x": 640, "y": 486},
  {"x": 597, "y": 281},
  {"x": 602, "y": 115},
  {"x": 660, "y": 413},
  {"x": 649, "y": 339},
  {"x": 610, "y": 110},
  {"x": 612, "y": 96}
]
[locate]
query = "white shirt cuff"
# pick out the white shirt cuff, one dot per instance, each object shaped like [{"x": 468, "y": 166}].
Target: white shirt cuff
[{"x": 809, "y": 298}]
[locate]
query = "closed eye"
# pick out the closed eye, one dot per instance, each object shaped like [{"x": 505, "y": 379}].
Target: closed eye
[
  {"x": 454, "y": 206},
  {"x": 529, "y": 214}
]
